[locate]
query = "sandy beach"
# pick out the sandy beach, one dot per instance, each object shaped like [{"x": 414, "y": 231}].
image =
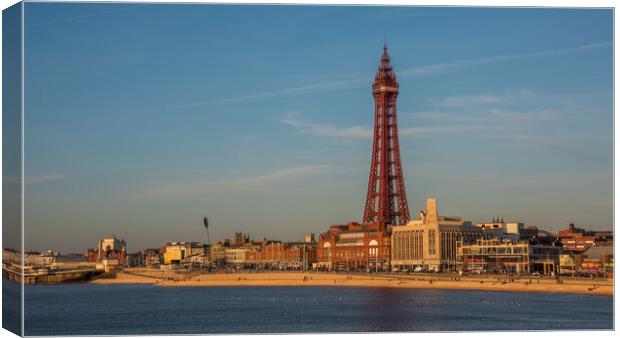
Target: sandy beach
[{"x": 489, "y": 283}]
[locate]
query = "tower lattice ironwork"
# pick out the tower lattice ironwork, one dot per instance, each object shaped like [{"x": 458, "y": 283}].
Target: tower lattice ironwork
[{"x": 386, "y": 201}]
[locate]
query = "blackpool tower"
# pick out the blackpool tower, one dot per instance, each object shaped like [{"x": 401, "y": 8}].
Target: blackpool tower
[{"x": 386, "y": 201}]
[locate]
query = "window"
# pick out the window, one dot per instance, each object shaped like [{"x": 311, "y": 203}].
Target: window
[
  {"x": 431, "y": 242},
  {"x": 372, "y": 251},
  {"x": 327, "y": 252}
]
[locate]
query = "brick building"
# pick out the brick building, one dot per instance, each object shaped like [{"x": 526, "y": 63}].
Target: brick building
[
  {"x": 354, "y": 247},
  {"x": 576, "y": 239},
  {"x": 275, "y": 254}
]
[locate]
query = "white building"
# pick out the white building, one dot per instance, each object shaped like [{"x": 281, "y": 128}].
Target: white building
[
  {"x": 236, "y": 256},
  {"x": 112, "y": 247},
  {"x": 498, "y": 229},
  {"x": 429, "y": 243},
  {"x": 508, "y": 227}
]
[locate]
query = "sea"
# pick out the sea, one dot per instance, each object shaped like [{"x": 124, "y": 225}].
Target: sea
[{"x": 89, "y": 309}]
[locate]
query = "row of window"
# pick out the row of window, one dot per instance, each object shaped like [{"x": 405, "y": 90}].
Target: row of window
[
  {"x": 372, "y": 252},
  {"x": 517, "y": 250},
  {"x": 408, "y": 245}
]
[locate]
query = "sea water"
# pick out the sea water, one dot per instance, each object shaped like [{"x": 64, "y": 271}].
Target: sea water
[{"x": 90, "y": 309}]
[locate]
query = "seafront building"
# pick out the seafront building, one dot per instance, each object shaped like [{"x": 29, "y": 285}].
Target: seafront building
[
  {"x": 110, "y": 251},
  {"x": 429, "y": 243},
  {"x": 278, "y": 255},
  {"x": 243, "y": 253},
  {"x": 33, "y": 258},
  {"x": 507, "y": 256},
  {"x": 354, "y": 247},
  {"x": 11, "y": 256},
  {"x": 235, "y": 257},
  {"x": 134, "y": 259},
  {"x": 579, "y": 240},
  {"x": 151, "y": 258},
  {"x": 497, "y": 228},
  {"x": 217, "y": 253},
  {"x": 597, "y": 260},
  {"x": 176, "y": 252},
  {"x": 507, "y": 227}
]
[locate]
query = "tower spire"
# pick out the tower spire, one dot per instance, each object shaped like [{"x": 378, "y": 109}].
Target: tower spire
[
  {"x": 385, "y": 64},
  {"x": 386, "y": 201}
]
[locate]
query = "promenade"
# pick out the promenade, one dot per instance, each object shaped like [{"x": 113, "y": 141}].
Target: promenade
[{"x": 438, "y": 281}]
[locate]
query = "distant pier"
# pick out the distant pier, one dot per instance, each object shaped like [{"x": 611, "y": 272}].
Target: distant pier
[{"x": 48, "y": 276}]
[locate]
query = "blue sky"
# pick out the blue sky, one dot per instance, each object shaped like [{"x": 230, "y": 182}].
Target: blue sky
[{"x": 140, "y": 119}]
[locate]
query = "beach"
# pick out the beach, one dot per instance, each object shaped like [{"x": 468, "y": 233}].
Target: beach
[{"x": 488, "y": 283}]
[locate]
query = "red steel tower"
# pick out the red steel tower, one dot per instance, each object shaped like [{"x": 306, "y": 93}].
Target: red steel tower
[{"x": 386, "y": 202}]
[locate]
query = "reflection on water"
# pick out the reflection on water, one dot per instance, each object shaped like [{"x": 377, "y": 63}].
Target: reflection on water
[{"x": 82, "y": 309}]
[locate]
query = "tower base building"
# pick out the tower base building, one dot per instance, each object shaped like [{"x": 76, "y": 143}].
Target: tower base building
[{"x": 354, "y": 247}]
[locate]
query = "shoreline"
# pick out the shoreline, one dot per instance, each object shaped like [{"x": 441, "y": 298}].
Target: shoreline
[{"x": 482, "y": 283}]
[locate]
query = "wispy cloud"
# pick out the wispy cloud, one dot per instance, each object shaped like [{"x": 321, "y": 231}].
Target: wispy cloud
[
  {"x": 467, "y": 100},
  {"x": 441, "y": 67},
  {"x": 326, "y": 130},
  {"x": 502, "y": 115},
  {"x": 365, "y": 132},
  {"x": 304, "y": 89},
  {"x": 495, "y": 115},
  {"x": 34, "y": 179},
  {"x": 274, "y": 180},
  {"x": 405, "y": 73},
  {"x": 514, "y": 106}
]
